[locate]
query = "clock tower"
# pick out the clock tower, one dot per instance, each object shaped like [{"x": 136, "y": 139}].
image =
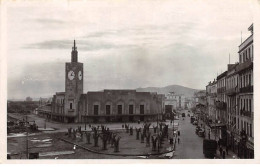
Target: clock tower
[{"x": 73, "y": 86}]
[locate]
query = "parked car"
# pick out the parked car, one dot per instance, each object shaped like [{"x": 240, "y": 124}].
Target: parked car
[
  {"x": 195, "y": 122},
  {"x": 201, "y": 133},
  {"x": 197, "y": 129},
  {"x": 192, "y": 119}
]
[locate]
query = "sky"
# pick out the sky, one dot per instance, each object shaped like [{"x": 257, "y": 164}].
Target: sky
[{"x": 123, "y": 44}]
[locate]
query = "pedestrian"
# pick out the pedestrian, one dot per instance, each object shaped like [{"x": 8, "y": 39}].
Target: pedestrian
[
  {"x": 227, "y": 150},
  {"x": 178, "y": 140},
  {"x": 179, "y": 133},
  {"x": 220, "y": 150},
  {"x": 224, "y": 155}
]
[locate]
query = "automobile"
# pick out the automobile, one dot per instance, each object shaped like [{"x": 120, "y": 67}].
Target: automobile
[
  {"x": 195, "y": 123},
  {"x": 183, "y": 114},
  {"x": 197, "y": 129},
  {"x": 192, "y": 119},
  {"x": 201, "y": 133}
]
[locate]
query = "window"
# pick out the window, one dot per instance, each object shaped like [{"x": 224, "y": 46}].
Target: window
[
  {"x": 247, "y": 129},
  {"x": 241, "y": 104},
  {"x": 250, "y": 109},
  {"x": 131, "y": 109},
  {"x": 237, "y": 123},
  {"x": 250, "y": 132},
  {"x": 241, "y": 81},
  {"x": 95, "y": 109},
  {"x": 71, "y": 105},
  {"x": 141, "y": 109},
  {"x": 252, "y": 52},
  {"x": 119, "y": 109},
  {"x": 249, "y": 79},
  {"x": 246, "y": 104},
  {"x": 249, "y": 54},
  {"x": 244, "y": 81},
  {"x": 107, "y": 109}
]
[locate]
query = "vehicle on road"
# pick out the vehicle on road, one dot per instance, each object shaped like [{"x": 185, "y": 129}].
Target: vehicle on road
[
  {"x": 201, "y": 133},
  {"x": 209, "y": 148},
  {"x": 197, "y": 129},
  {"x": 192, "y": 119},
  {"x": 183, "y": 114},
  {"x": 195, "y": 122}
]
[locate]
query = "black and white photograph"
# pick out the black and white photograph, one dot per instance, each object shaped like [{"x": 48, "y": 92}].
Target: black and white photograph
[{"x": 121, "y": 79}]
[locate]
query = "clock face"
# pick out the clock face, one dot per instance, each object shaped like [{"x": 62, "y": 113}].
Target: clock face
[
  {"x": 80, "y": 75},
  {"x": 71, "y": 75}
]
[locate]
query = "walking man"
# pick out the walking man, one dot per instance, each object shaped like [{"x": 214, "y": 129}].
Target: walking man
[
  {"x": 178, "y": 140},
  {"x": 220, "y": 150},
  {"x": 227, "y": 150},
  {"x": 224, "y": 155}
]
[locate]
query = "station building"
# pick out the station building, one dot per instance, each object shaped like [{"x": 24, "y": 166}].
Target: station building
[{"x": 74, "y": 106}]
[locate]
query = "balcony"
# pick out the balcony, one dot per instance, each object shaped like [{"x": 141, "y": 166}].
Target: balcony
[
  {"x": 247, "y": 89},
  {"x": 221, "y": 90},
  {"x": 248, "y": 41},
  {"x": 231, "y": 91},
  {"x": 247, "y": 113},
  {"x": 221, "y": 105}
]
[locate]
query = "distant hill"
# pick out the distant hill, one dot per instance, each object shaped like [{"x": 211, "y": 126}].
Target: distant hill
[{"x": 177, "y": 89}]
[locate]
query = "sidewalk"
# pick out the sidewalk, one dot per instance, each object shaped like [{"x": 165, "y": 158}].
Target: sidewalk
[{"x": 230, "y": 155}]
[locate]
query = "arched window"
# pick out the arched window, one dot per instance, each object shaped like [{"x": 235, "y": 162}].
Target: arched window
[
  {"x": 142, "y": 107},
  {"x": 96, "y": 108},
  {"x": 120, "y": 107}
]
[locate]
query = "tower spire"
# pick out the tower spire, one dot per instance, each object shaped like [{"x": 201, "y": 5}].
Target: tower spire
[
  {"x": 74, "y": 48},
  {"x": 74, "y": 53}
]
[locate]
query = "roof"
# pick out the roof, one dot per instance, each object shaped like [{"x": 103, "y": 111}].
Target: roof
[
  {"x": 251, "y": 27},
  {"x": 60, "y": 93},
  {"x": 222, "y": 75}
]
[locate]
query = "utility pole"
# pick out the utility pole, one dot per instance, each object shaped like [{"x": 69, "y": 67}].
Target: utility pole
[
  {"x": 215, "y": 126},
  {"x": 85, "y": 121},
  {"x": 27, "y": 144},
  {"x": 241, "y": 37}
]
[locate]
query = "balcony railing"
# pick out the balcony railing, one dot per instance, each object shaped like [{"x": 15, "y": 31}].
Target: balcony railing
[
  {"x": 245, "y": 43},
  {"x": 247, "y": 89},
  {"x": 231, "y": 91},
  {"x": 221, "y": 105},
  {"x": 221, "y": 90},
  {"x": 247, "y": 113}
]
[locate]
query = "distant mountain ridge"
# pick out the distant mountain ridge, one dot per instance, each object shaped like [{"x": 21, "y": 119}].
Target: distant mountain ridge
[{"x": 177, "y": 89}]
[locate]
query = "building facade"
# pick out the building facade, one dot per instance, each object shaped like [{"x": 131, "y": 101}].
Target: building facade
[
  {"x": 101, "y": 106},
  {"x": 235, "y": 101},
  {"x": 211, "y": 95},
  {"x": 120, "y": 106},
  {"x": 245, "y": 97}
]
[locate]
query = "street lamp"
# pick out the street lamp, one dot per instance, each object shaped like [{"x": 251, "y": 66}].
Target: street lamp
[{"x": 85, "y": 121}]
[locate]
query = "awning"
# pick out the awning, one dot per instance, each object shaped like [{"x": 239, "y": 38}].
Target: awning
[{"x": 217, "y": 125}]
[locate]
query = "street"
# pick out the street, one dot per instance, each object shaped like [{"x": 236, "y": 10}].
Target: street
[{"x": 191, "y": 145}]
